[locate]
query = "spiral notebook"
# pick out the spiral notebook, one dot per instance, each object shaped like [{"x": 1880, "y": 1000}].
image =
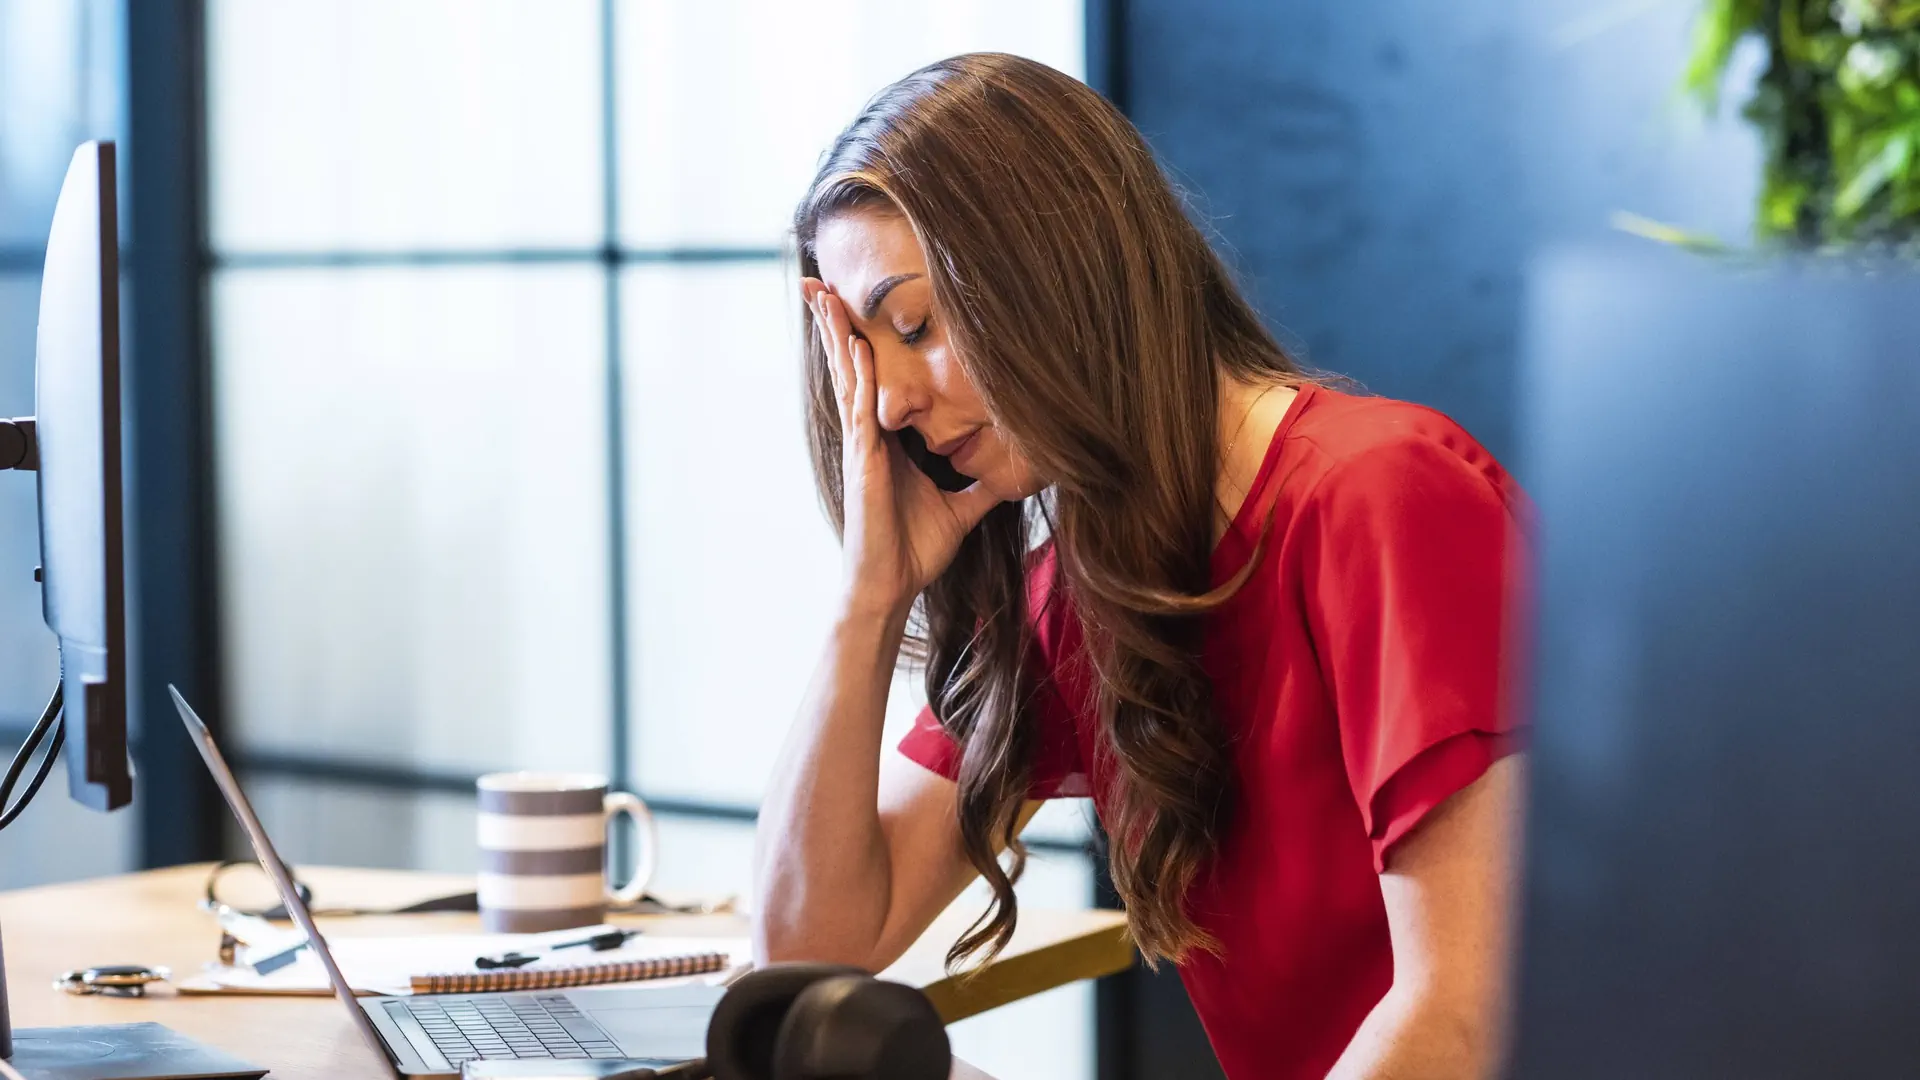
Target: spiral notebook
[
  {"x": 585, "y": 973},
  {"x": 444, "y": 964}
]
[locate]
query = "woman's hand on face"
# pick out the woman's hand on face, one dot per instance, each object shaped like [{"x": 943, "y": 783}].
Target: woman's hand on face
[{"x": 901, "y": 529}]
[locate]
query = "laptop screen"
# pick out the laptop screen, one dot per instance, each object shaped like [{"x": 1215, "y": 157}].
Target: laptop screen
[{"x": 277, "y": 870}]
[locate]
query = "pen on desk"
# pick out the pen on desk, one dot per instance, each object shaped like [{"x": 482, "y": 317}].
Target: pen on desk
[{"x": 601, "y": 942}]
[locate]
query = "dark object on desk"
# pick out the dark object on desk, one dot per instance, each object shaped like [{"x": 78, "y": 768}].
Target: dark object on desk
[
  {"x": 824, "y": 1022},
  {"x": 601, "y": 942},
  {"x": 1720, "y": 879},
  {"x": 504, "y": 960},
  {"x": 113, "y": 980},
  {"x": 122, "y": 1052}
]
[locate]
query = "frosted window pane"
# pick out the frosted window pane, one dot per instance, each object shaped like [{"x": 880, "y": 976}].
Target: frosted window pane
[
  {"x": 412, "y": 479},
  {"x": 57, "y": 839},
  {"x": 733, "y": 567},
  {"x": 725, "y": 106},
  {"x": 317, "y": 824},
  {"x": 60, "y": 85},
  {"x": 706, "y": 858},
  {"x": 1062, "y": 819},
  {"x": 404, "y": 123},
  {"x": 29, "y": 653}
]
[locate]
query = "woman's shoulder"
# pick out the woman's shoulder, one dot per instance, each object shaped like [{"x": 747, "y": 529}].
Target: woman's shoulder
[
  {"x": 1343, "y": 443},
  {"x": 1339, "y": 427}
]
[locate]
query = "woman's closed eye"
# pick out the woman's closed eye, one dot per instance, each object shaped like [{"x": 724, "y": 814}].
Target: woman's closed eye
[{"x": 913, "y": 336}]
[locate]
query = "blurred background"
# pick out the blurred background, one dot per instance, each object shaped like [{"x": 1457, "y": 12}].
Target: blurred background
[{"x": 462, "y": 366}]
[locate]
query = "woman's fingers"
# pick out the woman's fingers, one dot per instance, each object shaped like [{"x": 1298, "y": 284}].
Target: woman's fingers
[
  {"x": 971, "y": 504},
  {"x": 834, "y": 335},
  {"x": 866, "y": 417},
  {"x": 850, "y": 361},
  {"x": 840, "y": 351},
  {"x": 839, "y": 366}
]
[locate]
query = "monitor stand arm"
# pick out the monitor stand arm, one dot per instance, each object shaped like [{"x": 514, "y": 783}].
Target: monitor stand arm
[{"x": 18, "y": 448}]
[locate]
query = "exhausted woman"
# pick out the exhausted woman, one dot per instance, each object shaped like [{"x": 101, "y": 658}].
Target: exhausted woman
[{"x": 1261, "y": 621}]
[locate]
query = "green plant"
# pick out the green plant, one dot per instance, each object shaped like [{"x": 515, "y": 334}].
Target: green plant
[{"x": 1839, "y": 111}]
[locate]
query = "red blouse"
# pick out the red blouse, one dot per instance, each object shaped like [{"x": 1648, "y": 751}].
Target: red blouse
[{"x": 1361, "y": 674}]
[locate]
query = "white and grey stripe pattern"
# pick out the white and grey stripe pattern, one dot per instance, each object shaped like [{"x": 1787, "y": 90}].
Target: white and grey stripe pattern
[{"x": 542, "y": 856}]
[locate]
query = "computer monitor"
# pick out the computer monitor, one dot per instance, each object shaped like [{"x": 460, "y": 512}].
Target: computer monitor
[
  {"x": 73, "y": 440},
  {"x": 1723, "y": 842}
]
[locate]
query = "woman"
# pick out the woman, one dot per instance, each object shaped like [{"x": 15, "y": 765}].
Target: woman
[{"x": 1264, "y": 630}]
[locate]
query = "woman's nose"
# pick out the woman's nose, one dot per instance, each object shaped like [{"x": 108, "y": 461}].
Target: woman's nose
[
  {"x": 893, "y": 408},
  {"x": 896, "y": 403}
]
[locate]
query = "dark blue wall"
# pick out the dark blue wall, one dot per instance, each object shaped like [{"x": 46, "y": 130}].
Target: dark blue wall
[{"x": 1382, "y": 171}]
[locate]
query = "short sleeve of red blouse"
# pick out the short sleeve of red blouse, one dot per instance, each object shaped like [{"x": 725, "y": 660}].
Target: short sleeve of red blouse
[
  {"x": 1058, "y": 772},
  {"x": 1413, "y": 573},
  {"x": 929, "y": 746}
]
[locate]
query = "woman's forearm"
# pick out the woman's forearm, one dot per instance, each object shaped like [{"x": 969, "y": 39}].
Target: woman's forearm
[{"x": 825, "y": 871}]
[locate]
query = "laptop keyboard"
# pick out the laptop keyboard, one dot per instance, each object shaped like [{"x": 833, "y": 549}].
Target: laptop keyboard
[{"x": 509, "y": 1026}]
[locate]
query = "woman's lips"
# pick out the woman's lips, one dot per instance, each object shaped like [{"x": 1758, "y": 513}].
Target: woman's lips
[
  {"x": 950, "y": 446},
  {"x": 958, "y": 456}
]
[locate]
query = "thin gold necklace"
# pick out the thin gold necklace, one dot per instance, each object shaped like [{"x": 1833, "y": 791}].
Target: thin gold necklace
[
  {"x": 1244, "y": 417},
  {"x": 1228, "y": 453}
]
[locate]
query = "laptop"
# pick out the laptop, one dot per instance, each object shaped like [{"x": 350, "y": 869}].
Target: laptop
[{"x": 433, "y": 1035}]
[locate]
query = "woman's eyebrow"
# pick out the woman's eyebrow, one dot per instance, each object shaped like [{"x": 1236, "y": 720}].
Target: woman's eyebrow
[{"x": 879, "y": 292}]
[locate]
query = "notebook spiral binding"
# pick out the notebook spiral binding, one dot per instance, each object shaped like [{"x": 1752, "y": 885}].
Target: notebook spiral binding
[{"x": 659, "y": 967}]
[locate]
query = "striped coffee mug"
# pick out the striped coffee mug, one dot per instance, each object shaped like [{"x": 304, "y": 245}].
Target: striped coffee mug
[{"x": 543, "y": 850}]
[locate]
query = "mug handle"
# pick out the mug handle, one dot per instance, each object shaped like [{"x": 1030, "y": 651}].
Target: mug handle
[{"x": 646, "y": 858}]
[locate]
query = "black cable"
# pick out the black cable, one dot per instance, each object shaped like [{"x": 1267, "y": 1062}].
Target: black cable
[
  {"x": 40, "y": 777},
  {"x": 47, "y": 717},
  {"x": 465, "y": 901},
  {"x": 461, "y": 901},
  {"x": 50, "y": 720}
]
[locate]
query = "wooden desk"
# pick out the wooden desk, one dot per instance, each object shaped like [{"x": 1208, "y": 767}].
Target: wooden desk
[{"x": 152, "y": 918}]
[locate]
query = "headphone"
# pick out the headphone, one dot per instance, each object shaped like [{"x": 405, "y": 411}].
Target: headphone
[{"x": 823, "y": 1022}]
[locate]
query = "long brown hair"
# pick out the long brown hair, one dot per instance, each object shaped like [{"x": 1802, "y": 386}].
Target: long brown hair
[{"x": 1098, "y": 326}]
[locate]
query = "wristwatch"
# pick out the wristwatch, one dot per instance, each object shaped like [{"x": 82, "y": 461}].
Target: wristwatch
[{"x": 119, "y": 980}]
